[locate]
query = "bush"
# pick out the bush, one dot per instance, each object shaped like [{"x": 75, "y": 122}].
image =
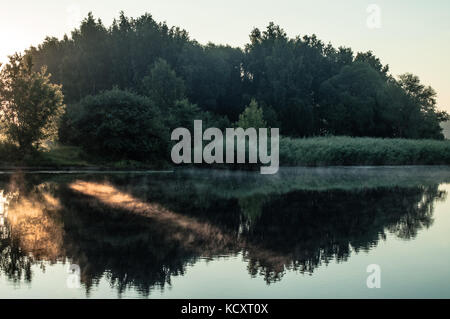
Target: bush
[{"x": 119, "y": 125}]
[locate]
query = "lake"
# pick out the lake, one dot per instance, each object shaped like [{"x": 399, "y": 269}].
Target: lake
[{"x": 192, "y": 233}]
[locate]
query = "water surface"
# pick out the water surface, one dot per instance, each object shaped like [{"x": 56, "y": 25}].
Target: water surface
[{"x": 303, "y": 233}]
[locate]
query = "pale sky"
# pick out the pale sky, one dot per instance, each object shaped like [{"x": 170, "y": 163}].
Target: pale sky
[{"x": 414, "y": 35}]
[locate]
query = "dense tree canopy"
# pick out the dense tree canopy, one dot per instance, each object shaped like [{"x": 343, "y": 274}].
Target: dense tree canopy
[
  {"x": 304, "y": 86},
  {"x": 162, "y": 85},
  {"x": 350, "y": 102}
]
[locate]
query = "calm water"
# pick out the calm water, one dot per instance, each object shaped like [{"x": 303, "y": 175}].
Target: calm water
[{"x": 303, "y": 233}]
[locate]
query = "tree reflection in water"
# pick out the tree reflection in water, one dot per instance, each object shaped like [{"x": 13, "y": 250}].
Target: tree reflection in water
[{"x": 139, "y": 231}]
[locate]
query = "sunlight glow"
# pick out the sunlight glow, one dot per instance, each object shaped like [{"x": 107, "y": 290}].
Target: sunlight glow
[{"x": 211, "y": 238}]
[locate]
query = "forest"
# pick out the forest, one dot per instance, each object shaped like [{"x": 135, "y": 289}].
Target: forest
[{"x": 118, "y": 91}]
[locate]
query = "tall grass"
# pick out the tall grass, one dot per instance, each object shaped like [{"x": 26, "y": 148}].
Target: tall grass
[
  {"x": 58, "y": 156},
  {"x": 446, "y": 129},
  {"x": 317, "y": 151},
  {"x": 321, "y": 151}
]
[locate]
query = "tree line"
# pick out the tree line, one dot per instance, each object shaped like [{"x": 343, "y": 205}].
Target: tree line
[{"x": 137, "y": 78}]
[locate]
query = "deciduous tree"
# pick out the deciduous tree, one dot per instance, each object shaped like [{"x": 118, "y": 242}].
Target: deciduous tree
[{"x": 30, "y": 104}]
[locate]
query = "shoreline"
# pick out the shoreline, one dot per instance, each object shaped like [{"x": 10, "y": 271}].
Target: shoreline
[{"x": 88, "y": 169}]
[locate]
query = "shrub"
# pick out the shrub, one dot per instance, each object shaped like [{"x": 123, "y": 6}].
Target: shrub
[{"x": 119, "y": 125}]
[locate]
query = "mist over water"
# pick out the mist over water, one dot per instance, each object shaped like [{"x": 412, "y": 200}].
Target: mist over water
[{"x": 305, "y": 232}]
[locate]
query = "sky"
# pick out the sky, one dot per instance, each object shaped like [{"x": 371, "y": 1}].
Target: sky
[{"x": 411, "y": 36}]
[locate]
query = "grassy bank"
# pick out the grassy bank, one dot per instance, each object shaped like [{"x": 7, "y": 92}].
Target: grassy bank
[
  {"x": 59, "y": 156},
  {"x": 319, "y": 151},
  {"x": 65, "y": 157},
  {"x": 322, "y": 151}
]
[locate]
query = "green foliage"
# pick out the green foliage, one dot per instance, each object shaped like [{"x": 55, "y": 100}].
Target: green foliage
[
  {"x": 63, "y": 156},
  {"x": 303, "y": 86},
  {"x": 57, "y": 156},
  {"x": 183, "y": 114},
  {"x": 30, "y": 104},
  {"x": 162, "y": 85},
  {"x": 251, "y": 117},
  {"x": 446, "y": 129},
  {"x": 425, "y": 99},
  {"x": 322, "y": 151},
  {"x": 213, "y": 78},
  {"x": 349, "y": 101},
  {"x": 120, "y": 125},
  {"x": 316, "y": 89},
  {"x": 373, "y": 61},
  {"x": 359, "y": 101}
]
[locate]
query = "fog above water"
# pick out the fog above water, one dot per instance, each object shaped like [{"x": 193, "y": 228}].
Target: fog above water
[{"x": 135, "y": 234}]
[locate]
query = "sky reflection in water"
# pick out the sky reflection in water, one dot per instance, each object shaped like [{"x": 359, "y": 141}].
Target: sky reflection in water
[{"x": 215, "y": 234}]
